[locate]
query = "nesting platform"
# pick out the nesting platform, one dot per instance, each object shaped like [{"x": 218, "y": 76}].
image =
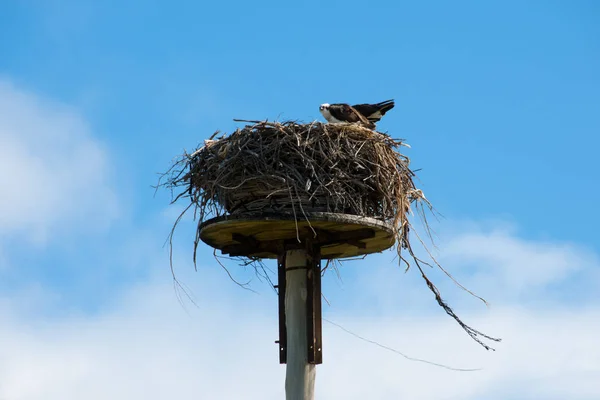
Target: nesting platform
[
  {"x": 333, "y": 190},
  {"x": 266, "y": 235}
]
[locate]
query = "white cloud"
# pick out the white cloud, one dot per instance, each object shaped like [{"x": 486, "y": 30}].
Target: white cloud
[
  {"x": 143, "y": 345},
  {"x": 511, "y": 268},
  {"x": 55, "y": 175},
  {"x": 550, "y": 356}
]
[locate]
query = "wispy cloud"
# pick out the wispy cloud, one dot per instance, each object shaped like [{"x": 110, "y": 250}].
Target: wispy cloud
[
  {"x": 56, "y": 175},
  {"x": 510, "y": 268},
  {"x": 142, "y": 342}
]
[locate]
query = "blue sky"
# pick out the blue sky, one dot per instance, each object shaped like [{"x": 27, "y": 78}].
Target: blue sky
[{"x": 499, "y": 102}]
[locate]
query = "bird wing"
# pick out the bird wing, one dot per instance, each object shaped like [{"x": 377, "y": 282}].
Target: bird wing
[
  {"x": 347, "y": 113},
  {"x": 358, "y": 117},
  {"x": 374, "y": 112}
]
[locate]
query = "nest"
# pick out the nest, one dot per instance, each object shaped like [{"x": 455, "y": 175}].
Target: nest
[
  {"x": 291, "y": 167},
  {"x": 302, "y": 168}
]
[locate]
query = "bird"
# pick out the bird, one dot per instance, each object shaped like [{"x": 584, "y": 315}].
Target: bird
[
  {"x": 374, "y": 112},
  {"x": 341, "y": 112}
]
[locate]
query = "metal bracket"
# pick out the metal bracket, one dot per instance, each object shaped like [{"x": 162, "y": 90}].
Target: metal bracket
[
  {"x": 281, "y": 295},
  {"x": 313, "y": 305}
]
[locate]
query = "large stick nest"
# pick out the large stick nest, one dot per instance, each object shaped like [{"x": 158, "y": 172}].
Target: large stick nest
[
  {"x": 299, "y": 168},
  {"x": 342, "y": 168}
]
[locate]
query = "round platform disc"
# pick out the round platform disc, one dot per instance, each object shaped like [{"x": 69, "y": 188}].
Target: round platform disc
[{"x": 263, "y": 234}]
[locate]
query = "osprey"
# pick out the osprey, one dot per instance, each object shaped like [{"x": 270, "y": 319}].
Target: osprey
[
  {"x": 367, "y": 114},
  {"x": 339, "y": 113},
  {"x": 374, "y": 112}
]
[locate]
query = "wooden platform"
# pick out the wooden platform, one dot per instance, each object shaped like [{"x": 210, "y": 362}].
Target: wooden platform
[{"x": 265, "y": 235}]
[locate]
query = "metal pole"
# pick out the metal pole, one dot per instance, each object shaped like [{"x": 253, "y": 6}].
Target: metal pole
[{"x": 300, "y": 375}]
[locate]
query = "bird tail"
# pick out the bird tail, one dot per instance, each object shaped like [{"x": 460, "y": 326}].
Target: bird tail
[{"x": 385, "y": 106}]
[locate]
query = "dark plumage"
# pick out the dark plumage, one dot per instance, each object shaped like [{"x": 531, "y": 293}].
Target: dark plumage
[
  {"x": 337, "y": 113},
  {"x": 374, "y": 112}
]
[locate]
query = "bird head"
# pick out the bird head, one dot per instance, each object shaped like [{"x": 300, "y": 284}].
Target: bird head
[{"x": 324, "y": 106}]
